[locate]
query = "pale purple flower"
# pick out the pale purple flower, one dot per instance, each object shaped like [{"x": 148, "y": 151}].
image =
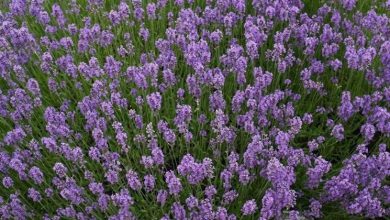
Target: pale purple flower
[
  {"x": 249, "y": 207},
  {"x": 173, "y": 183},
  {"x": 36, "y": 175},
  {"x": 154, "y": 101},
  {"x": 8, "y": 182},
  {"x": 338, "y": 132}
]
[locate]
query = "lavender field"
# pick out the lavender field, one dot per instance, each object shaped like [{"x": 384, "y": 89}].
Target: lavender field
[{"x": 194, "y": 109}]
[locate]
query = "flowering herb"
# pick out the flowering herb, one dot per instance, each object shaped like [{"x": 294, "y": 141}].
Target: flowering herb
[{"x": 183, "y": 109}]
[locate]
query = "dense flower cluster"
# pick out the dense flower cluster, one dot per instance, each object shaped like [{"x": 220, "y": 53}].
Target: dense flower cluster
[{"x": 184, "y": 109}]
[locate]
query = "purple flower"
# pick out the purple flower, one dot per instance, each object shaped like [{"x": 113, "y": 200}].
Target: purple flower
[
  {"x": 169, "y": 136},
  {"x": 60, "y": 169},
  {"x": 112, "y": 176},
  {"x": 210, "y": 191},
  {"x": 169, "y": 77},
  {"x": 216, "y": 36},
  {"x": 96, "y": 188},
  {"x": 244, "y": 176},
  {"x": 112, "y": 67},
  {"x": 315, "y": 209},
  {"x": 178, "y": 211},
  {"x": 162, "y": 196},
  {"x": 229, "y": 197},
  {"x": 249, "y": 207},
  {"x": 217, "y": 101},
  {"x": 34, "y": 195},
  {"x": 294, "y": 215},
  {"x": 144, "y": 33},
  {"x": 151, "y": 10},
  {"x": 198, "y": 54},
  {"x": 192, "y": 202},
  {"x": 33, "y": 87},
  {"x": 194, "y": 171},
  {"x": 72, "y": 192},
  {"x": 15, "y": 136},
  {"x": 315, "y": 174},
  {"x": 133, "y": 180},
  {"x": 338, "y": 132},
  {"x": 346, "y": 109},
  {"x": 348, "y": 4},
  {"x": 368, "y": 130},
  {"x": 173, "y": 183},
  {"x": 274, "y": 201},
  {"x": 149, "y": 182},
  {"x": 236, "y": 80},
  {"x": 278, "y": 174},
  {"x": 18, "y": 7},
  {"x": 158, "y": 156},
  {"x": 154, "y": 101},
  {"x": 8, "y": 182},
  {"x": 122, "y": 199},
  {"x": 36, "y": 175}
]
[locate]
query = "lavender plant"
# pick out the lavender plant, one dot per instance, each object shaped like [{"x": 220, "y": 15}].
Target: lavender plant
[{"x": 194, "y": 109}]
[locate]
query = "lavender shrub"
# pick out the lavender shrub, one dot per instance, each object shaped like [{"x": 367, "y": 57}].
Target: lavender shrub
[{"x": 194, "y": 109}]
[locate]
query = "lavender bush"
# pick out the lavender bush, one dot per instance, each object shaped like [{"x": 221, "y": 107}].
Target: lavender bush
[{"x": 194, "y": 109}]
